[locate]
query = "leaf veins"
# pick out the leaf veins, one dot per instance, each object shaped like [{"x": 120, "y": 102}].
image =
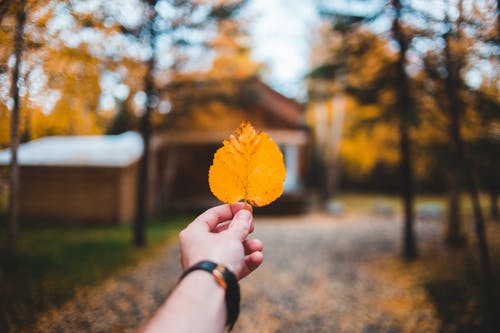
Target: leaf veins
[{"x": 249, "y": 167}]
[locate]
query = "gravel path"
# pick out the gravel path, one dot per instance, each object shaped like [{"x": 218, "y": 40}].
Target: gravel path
[{"x": 320, "y": 274}]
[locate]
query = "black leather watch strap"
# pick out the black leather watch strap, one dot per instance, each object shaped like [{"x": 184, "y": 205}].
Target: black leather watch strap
[{"x": 231, "y": 285}]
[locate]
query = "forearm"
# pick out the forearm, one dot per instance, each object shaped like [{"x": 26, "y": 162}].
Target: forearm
[{"x": 197, "y": 304}]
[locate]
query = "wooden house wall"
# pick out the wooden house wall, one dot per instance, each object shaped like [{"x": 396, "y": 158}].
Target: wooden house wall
[
  {"x": 77, "y": 195},
  {"x": 186, "y": 189}
]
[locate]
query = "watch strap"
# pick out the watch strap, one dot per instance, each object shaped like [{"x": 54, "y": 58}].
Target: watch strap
[{"x": 227, "y": 280}]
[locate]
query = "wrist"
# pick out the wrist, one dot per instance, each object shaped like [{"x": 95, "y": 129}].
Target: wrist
[
  {"x": 196, "y": 301},
  {"x": 227, "y": 282}
]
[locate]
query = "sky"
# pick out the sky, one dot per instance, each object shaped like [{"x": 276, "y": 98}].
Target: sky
[{"x": 282, "y": 34}]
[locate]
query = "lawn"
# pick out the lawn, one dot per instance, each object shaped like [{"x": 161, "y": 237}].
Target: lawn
[{"x": 55, "y": 261}]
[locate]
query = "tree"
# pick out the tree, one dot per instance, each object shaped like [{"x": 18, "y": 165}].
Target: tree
[
  {"x": 54, "y": 101},
  {"x": 486, "y": 151},
  {"x": 498, "y": 22},
  {"x": 124, "y": 119},
  {"x": 330, "y": 59},
  {"x": 4, "y": 7},
  {"x": 453, "y": 84},
  {"x": 452, "y": 88},
  {"x": 368, "y": 122},
  {"x": 434, "y": 138},
  {"x": 454, "y": 106},
  {"x": 12, "y": 224},
  {"x": 406, "y": 117},
  {"x": 400, "y": 108},
  {"x": 145, "y": 127},
  {"x": 69, "y": 100},
  {"x": 153, "y": 28}
]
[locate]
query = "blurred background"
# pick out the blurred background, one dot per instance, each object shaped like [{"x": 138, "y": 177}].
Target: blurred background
[{"x": 111, "y": 111}]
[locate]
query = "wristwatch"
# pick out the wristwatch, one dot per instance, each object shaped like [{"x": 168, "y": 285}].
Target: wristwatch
[{"x": 227, "y": 280}]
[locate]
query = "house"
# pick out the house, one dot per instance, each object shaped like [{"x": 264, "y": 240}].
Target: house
[
  {"x": 206, "y": 112},
  {"x": 78, "y": 179},
  {"x": 93, "y": 179}
]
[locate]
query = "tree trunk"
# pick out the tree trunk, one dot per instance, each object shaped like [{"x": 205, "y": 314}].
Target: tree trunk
[
  {"x": 494, "y": 183},
  {"x": 453, "y": 86},
  {"x": 143, "y": 181},
  {"x": 454, "y": 109},
  {"x": 26, "y": 134},
  {"x": 484, "y": 256},
  {"x": 403, "y": 105},
  {"x": 409, "y": 244},
  {"x": 13, "y": 208},
  {"x": 498, "y": 21},
  {"x": 470, "y": 183},
  {"x": 494, "y": 212},
  {"x": 454, "y": 236},
  {"x": 145, "y": 129}
]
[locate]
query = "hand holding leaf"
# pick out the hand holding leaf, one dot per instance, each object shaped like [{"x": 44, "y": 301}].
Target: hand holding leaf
[{"x": 248, "y": 167}]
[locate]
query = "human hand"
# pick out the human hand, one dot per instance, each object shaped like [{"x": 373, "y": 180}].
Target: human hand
[{"x": 219, "y": 235}]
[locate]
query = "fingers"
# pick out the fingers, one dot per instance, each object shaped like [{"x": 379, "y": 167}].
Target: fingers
[
  {"x": 213, "y": 216},
  {"x": 225, "y": 225},
  {"x": 222, "y": 226},
  {"x": 241, "y": 225},
  {"x": 236, "y": 207},
  {"x": 210, "y": 219},
  {"x": 252, "y": 262},
  {"x": 252, "y": 245}
]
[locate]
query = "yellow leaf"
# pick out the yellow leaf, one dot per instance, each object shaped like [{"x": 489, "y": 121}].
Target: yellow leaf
[{"x": 248, "y": 167}]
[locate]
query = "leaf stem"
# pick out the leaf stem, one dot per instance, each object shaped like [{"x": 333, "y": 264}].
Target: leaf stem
[{"x": 246, "y": 204}]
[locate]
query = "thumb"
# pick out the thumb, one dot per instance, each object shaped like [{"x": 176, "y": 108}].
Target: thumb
[{"x": 241, "y": 224}]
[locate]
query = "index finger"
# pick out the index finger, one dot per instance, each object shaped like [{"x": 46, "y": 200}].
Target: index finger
[{"x": 215, "y": 215}]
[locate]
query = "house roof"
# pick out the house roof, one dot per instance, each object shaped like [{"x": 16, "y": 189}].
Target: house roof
[
  {"x": 281, "y": 137},
  {"x": 248, "y": 99},
  {"x": 282, "y": 107},
  {"x": 97, "y": 150}
]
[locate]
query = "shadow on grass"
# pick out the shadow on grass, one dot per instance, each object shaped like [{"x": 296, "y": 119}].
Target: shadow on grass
[
  {"x": 456, "y": 289},
  {"x": 55, "y": 261},
  {"x": 455, "y": 306}
]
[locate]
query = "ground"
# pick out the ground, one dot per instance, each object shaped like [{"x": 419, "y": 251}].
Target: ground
[{"x": 321, "y": 274}]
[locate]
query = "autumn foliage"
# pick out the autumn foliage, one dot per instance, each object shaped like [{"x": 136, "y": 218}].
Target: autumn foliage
[{"x": 248, "y": 167}]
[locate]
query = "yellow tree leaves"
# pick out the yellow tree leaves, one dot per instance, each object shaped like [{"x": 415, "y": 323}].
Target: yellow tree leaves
[{"x": 248, "y": 167}]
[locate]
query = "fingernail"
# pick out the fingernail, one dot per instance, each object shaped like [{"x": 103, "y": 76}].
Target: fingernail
[{"x": 243, "y": 215}]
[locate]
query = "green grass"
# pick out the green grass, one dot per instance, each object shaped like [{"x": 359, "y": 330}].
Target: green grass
[
  {"x": 55, "y": 261},
  {"x": 365, "y": 203}
]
